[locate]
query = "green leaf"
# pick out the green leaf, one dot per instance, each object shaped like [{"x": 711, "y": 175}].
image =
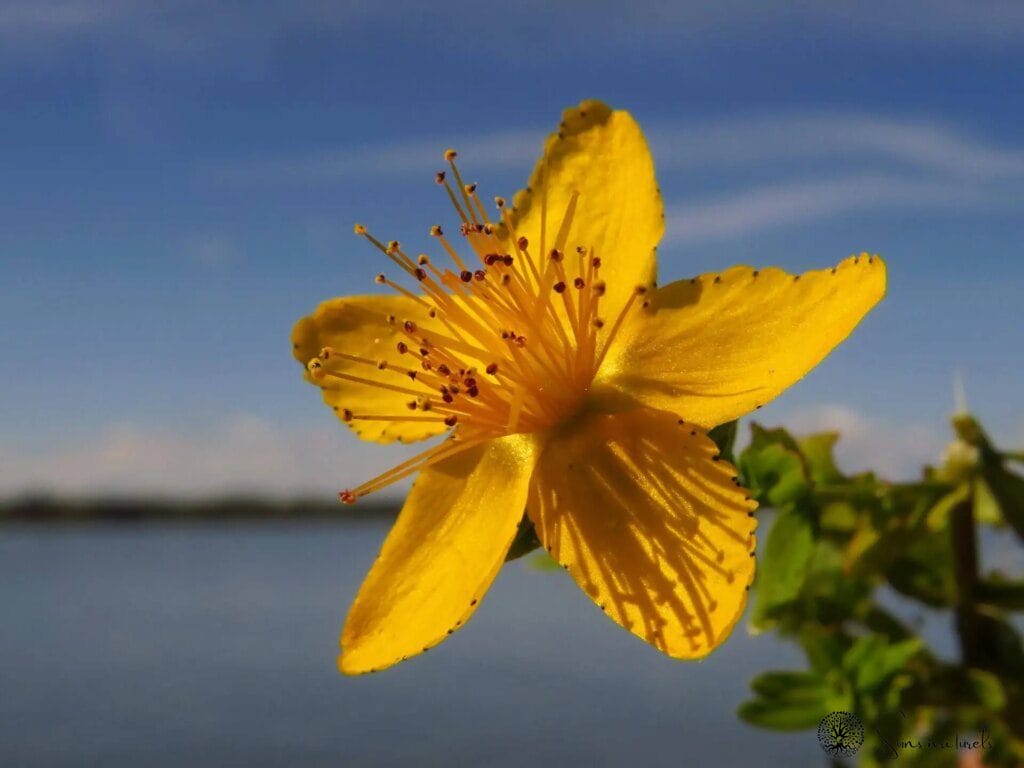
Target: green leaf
[
  {"x": 824, "y": 649},
  {"x": 929, "y": 582},
  {"x": 761, "y": 437},
  {"x": 938, "y": 516},
  {"x": 783, "y": 715},
  {"x": 817, "y": 451},
  {"x": 782, "y": 566},
  {"x": 986, "y": 506},
  {"x": 987, "y": 689},
  {"x": 969, "y": 430},
  {"x": 789, "y": 686},
  {"x": 774, "y": 468},
  {"x": 724, "y": 436},
  {"x": 839, "y": 516},
  {"x": 881, "y": 662},
  {"x": 1008, "y": 491}
]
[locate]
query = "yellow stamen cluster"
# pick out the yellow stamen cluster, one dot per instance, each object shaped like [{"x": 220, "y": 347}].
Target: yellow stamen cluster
[{"x": 513, "y": 343}]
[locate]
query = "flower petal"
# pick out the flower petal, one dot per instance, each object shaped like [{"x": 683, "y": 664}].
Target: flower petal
[
  {"x": 602, "y": 155},
  {"x": 441, "y": 556},
  {"x": 638, "y": 509},
  {"x": 720, "y": 346},
  {"x": 358, "y": 325}
]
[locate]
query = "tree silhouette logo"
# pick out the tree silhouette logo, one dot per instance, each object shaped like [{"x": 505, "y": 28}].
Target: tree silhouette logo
[{"x": 840, "y": 734}]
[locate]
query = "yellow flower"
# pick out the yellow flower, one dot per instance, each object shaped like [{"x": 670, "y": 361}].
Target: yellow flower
[{"x": 574, "y": 388}]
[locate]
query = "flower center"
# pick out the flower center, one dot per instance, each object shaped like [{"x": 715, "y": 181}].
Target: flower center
[{"x": 510, "y": 345}]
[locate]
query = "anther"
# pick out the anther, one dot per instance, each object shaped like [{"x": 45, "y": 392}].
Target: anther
[
  {"x": 559, "y": 287},
  {"x": 480, "y": 274},
  {"x": 579, "y": 282},
  {"x": 382, "y": 365},
  {"x": 555, "y": 255},
  {"x": 380, "y": 279},
  {"x": 439, "y": 177},
  {"x": 326, "y": 353},
  {"x": 500, "y": 202},
  {"x": 451, "y": 421},
  {"x": 640, "y": 290},
  {"x": 595, "y": 262},
  {"x": 466, "y": 275},
  {"x": 450, "y": 154},
  {"x": 523, "y": 243},
  {"x": 600, "y": 288},
  {"x": 492, "y": 369},
  {"x": 315, "y": 368},
  {"x": 347, "y": 497},
  {"x": 436, "y": 231},
  {"x": 508, "y": 260},
  {"x": 421, "y": 274},
  {"x": 422, "y": 260},
  {"x": 346, "y": 415},
  {"x": 359, "y": 229},
  {"x": 402, "y": 347},
  {"x": 598, "y": 323},
  {"x": 393, "y": 246},
  {"x": 470, "y": 188}
]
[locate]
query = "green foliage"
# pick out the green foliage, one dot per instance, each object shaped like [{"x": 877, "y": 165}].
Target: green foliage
[
  {"x": 787, "y": 554},
  {"x": 836, "y": 544}
]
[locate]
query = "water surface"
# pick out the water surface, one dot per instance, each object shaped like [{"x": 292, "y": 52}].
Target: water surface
[{"x": 214, "y": 645}]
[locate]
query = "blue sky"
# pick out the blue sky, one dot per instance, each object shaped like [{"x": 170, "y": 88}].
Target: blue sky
[{"x": 179, "y": 183}]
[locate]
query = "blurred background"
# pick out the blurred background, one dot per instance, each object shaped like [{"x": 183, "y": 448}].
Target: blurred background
[{"x": 178, "y": 183}]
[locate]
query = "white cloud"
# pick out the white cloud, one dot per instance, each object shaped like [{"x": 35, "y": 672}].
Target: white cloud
[
  {"x": 896, "y": 450},
  {"x": 721, "y": 144},
  {"x": 926, "y": 166},
  {"x": 777, "y": 205},
  {"x": 495, "y": 151},
  {"x": 840, "y": 136},
  {"x": 242, "y": 453},
  {"x": 246, "y": 454}
]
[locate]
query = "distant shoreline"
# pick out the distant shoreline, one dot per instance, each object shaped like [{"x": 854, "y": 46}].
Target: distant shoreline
[{"x": 44, "y": 509}]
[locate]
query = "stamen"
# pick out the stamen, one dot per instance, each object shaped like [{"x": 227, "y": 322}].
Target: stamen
[{"x": 498, "y": 354}]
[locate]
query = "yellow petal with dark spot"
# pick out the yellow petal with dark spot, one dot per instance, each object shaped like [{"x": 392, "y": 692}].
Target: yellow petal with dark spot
[
  {"x": 721, "y": 345},
  {"x": 601, "y": 154},
  {"x": 650, "y": 524},
  {"x": 441, "y": 555},
  {"x": 358, "y": 326}
]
